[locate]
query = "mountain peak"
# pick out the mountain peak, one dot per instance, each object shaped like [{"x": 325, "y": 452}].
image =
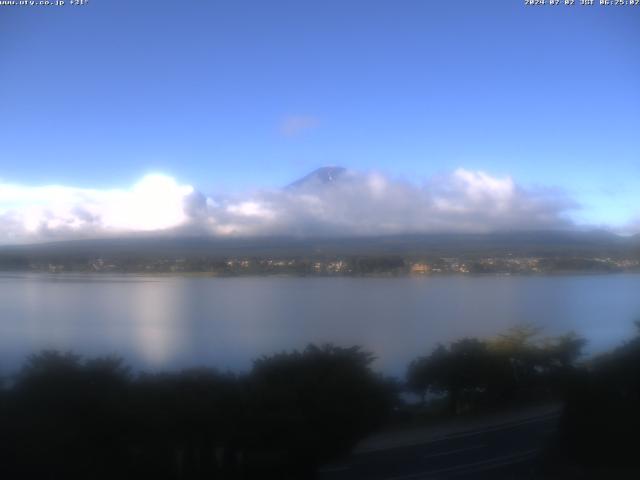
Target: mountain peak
[{"x": 322, "y": 175}]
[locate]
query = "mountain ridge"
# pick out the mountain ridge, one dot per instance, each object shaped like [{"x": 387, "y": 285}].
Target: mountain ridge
[{"x": 541, "y": 243}]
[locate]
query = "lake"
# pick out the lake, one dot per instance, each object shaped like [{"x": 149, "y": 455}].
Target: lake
[{"x": 175, "y": 322}]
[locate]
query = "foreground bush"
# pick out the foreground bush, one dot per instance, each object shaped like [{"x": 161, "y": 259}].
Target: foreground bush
[
  {"x": 600, "y": 424},
  {"x": 64, "y": 417}
]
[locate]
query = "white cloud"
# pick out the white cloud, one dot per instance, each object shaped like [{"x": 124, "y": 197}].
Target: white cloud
[
  {"x": 59, "y": 212},
  {"x": 296, "y": 124},
  {"x": 368, "y": 204},
  {"x": 632, "y": 227},
  {"x": 354, "y": 204}
]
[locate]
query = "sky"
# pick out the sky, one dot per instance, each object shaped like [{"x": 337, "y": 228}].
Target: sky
[{"x": 144, "y": 115}]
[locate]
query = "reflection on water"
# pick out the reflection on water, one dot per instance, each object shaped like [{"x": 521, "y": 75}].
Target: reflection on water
[
  {"x": 157, "y": 310},
  {"x": 172, "y": 322}
]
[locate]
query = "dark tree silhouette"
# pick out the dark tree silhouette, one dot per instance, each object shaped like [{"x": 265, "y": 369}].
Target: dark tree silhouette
[
  {"x": 602, "y": 417},
  {"x": 68, "y": 418},
  {"x": 473, "y": 372},
  {"x": 317, "y": 403}
]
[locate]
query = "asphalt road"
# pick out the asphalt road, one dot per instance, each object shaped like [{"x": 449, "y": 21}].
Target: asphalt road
[{"x": 500, "y": 452}]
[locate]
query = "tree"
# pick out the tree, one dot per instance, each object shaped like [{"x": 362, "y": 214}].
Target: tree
[
  {"x": 317, "y": 403},
  {"x": 473, "y": 372}
]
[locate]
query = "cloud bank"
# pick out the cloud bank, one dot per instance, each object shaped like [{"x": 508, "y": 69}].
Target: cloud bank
[
  {"x": 28, "y": 214},
  {"x": 354, "y": 204}
]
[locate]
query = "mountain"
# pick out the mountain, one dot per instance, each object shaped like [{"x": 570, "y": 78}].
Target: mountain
[
  {"x": 321, "y": 176},
  {"x": 175, "y": 244},
  {"x": 538, "y": 243}
]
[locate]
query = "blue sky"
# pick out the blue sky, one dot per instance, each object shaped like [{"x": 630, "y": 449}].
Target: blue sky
[{"x": 234, "y": 95}]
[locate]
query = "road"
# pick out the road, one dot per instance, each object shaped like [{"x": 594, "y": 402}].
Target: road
[{"x": 506, "y": 451}]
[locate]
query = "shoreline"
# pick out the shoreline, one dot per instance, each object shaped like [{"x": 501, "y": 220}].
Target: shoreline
[{"x": 559, "y": 273}]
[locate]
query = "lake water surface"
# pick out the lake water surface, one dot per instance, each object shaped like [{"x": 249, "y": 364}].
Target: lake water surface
[{"x": 175, "y": 322}]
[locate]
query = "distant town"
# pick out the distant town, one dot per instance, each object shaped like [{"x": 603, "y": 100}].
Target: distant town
[{"x": 347, "y": 266}]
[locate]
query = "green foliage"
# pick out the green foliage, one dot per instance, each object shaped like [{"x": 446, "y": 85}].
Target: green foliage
[
  {"x": 473, "y": 372},
  {"x": 327, "y": 395},
  {"x": 66, "y": 417},
  {"x": 601, "y": 417}
]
